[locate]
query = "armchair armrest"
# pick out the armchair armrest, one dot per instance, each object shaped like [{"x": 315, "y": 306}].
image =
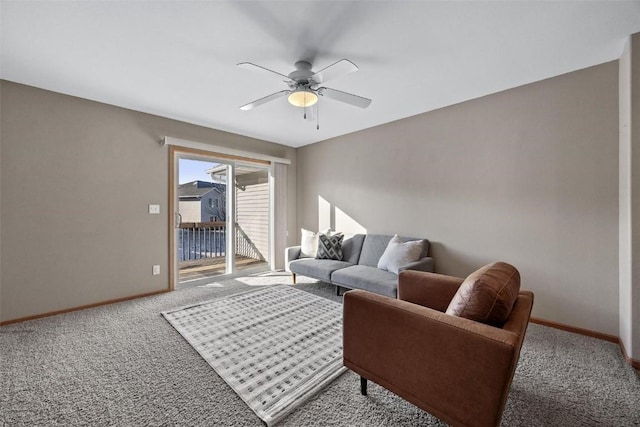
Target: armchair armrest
[
  {"x": 457, "y": 369},
  {"x": 428, "y": 289},
  {"x": 423, "y": 264},
  {"x": 291, "y": 253}
]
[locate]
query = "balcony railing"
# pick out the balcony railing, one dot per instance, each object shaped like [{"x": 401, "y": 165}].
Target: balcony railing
[{"x": 199, "y": 240}]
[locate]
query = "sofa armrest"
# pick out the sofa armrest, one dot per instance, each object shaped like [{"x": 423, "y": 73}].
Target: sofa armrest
[
  {"x": 428, "y": 289},
  {"x": 291, "y": 253},
  {"x": 457, "y": 369},
  {"x": 423, "y": 264}
]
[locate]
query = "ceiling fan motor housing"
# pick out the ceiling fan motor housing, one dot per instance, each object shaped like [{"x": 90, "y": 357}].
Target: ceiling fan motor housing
[{"x": 302, "y": 74}]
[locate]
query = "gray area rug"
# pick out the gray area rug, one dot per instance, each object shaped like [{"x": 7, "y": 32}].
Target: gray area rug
[
  {"x": 275, "y": 347},
  {"x": 124, "y": 365}
]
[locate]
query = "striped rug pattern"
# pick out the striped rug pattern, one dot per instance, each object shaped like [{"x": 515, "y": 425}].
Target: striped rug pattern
[{"x": 275, "y": 347}]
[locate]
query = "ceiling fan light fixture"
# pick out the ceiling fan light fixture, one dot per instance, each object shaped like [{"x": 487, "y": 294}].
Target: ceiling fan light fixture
[{"x": 302, "y": 98}]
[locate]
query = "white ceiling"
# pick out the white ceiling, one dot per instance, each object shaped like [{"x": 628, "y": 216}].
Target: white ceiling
[{"x": 178, "y": 59}]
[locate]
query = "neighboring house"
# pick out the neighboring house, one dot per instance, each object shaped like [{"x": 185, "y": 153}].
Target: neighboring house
[{"x": 201, "y": 201}]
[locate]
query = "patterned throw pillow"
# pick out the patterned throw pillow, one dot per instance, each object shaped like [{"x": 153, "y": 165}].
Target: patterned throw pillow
[{"x": 330, "y": 247}]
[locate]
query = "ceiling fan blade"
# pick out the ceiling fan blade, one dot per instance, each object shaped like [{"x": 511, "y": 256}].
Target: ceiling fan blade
[
  {"x": 253, "y": 67},
  {"x": 347, "y": 98},
  {"x": 340, "y": 68},
  {"x": 264, "y": 100}
]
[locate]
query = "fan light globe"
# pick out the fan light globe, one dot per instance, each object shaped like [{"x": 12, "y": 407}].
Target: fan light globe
[{"x": 302, "y": 98}]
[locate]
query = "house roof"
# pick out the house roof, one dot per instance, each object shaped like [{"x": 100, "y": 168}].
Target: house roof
[
  {"x": 198, "y": 189},
  {"x": 178, "y": 59}
]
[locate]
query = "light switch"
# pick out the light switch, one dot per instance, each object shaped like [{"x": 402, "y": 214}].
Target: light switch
[{"x": 154, "y": 209}]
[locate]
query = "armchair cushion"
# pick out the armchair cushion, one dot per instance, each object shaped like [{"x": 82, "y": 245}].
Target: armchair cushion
[{"x": 487, "y": 295}]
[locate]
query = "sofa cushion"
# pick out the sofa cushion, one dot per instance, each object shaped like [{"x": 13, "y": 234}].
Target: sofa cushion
[
  {"x": 369, "y": 278},
  {"x": 488, "y": 294},
  {"x": 351, "y": 247},
  {"x": 399, "y": 253},
  {"x": 330, "y": 247},
  {"x": 372, "y": 249},
  {"x": 374, "y": 246},
  {"x": 317, "y": 268}
]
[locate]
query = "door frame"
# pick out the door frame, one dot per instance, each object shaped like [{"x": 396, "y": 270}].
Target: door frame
[{"x": 174, "y": 154}]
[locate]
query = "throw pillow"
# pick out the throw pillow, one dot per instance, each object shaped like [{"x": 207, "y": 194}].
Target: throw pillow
[
  {"x": 330, "y": 247},
  {"x": 308, "y": 244},
  {"x": 399, "y": 253},
  {"x": 487, "y": 295}
]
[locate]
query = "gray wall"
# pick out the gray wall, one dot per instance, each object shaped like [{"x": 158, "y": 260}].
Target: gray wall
[
  {"x": 629, "y": 229},
  {"x": 634, "y": 319},
  {"x": 528, "y": 176},
  {"x": 93, "y": 169}
]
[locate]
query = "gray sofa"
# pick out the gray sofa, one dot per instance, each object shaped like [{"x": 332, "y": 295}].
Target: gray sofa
[{"x": 358, "y": 269}]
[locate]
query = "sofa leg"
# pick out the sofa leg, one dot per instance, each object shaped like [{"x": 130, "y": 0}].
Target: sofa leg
[
  {"x": 363, "y": 386},
  {"x": 293, "y": 277},
  {"x": 337, "y": 290}
]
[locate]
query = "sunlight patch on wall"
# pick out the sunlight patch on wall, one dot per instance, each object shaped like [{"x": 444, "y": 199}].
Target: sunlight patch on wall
[
  {"x": 347, "y": 224},
  {"x": 324, "y": 214},
  {"x": 332, "y": 217}
]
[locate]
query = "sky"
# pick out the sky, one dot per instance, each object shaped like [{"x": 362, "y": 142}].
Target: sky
[{"x": 192, "y": 170}]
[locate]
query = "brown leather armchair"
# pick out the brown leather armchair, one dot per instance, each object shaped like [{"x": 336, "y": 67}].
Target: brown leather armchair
[{"x": 457, "y": 369}]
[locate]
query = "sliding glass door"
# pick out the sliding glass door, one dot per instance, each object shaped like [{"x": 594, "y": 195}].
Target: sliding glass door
[{"x": 221, "y": 220}]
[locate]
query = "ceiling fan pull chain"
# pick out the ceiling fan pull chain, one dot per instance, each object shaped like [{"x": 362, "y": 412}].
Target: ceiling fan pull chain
[{"x": 318, "y": 116}]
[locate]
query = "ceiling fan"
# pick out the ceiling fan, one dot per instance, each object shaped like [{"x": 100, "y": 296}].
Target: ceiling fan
[{"x": 304, "y": 85}]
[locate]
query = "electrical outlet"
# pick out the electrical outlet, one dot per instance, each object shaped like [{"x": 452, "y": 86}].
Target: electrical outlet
[
  {"x": 154, "y": 209},
  {"x": 156, "y": 270}
]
